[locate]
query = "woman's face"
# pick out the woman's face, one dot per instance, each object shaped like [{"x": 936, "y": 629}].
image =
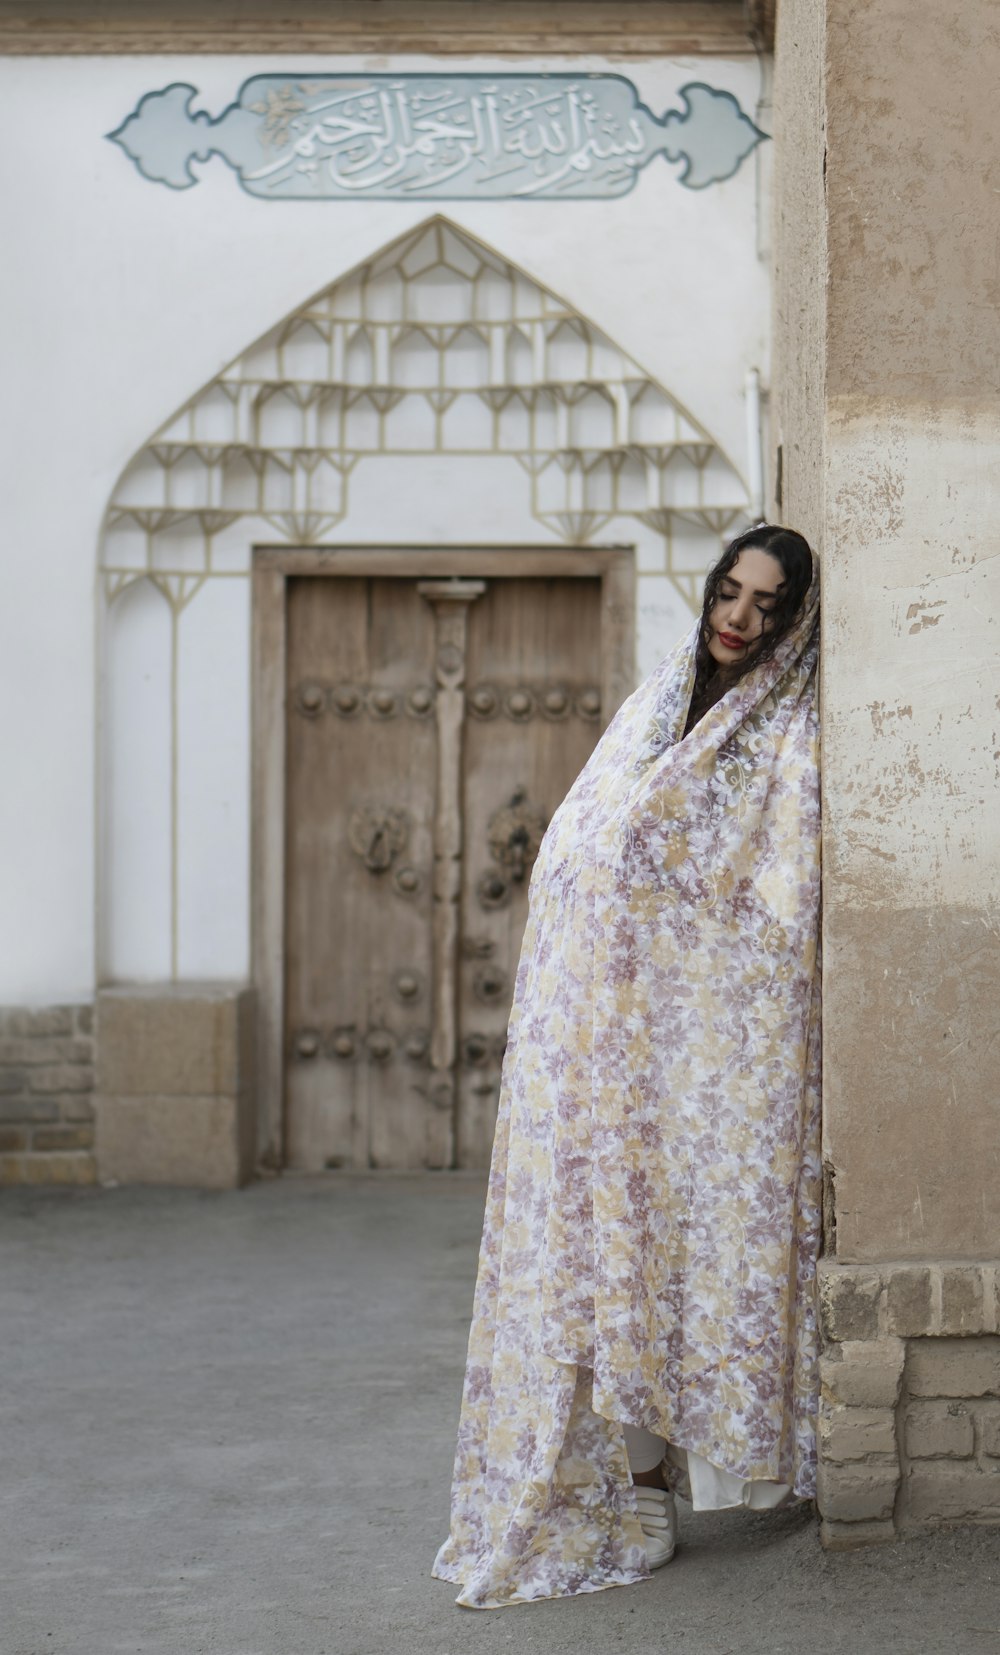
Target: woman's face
[{"x": 744, "y": 606}]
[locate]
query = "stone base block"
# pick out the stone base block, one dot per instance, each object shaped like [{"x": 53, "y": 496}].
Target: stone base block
[
  {"x": 175, "y": 1099},
  {"x": 854, "y": 1434},
  {"x": 954, "y": 1367},
  {"x": 939, "y": 1429},
  {"x": 863, "y": 1374},
  {"x": 172, "y": 1140},
  {"x": 988, "y": 1419},
  {"x": 949, "y": 1491},
  {"x": 861, "y": 1303},
  {"x": 845, "y": 1537},
  {"x": 172, "y": 1039},
  {"x": 860, "y": 1493}
]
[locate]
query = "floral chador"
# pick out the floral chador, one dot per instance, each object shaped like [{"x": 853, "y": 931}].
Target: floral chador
[{"x": 653, "y": 1214}]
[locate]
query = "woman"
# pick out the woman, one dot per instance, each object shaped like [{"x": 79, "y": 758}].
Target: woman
[{"x": 652, "y": 1221}]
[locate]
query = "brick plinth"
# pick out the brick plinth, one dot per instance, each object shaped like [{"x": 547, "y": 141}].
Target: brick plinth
[
  {"x": 46, "y": 1095},
  {"x": 909, "y": 1417}
]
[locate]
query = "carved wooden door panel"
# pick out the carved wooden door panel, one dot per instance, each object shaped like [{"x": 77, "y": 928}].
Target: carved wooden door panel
[
  {"x": 533, "y": 711},
  {"x": 361, "y": 749},
  {"x": 432, "y": 728}
]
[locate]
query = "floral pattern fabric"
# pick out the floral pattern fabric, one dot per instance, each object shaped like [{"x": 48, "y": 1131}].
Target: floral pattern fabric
[{"x": 653, "y": 1213}]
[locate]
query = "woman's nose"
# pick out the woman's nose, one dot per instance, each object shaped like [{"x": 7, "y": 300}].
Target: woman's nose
[{"x": 740, "y": 613}]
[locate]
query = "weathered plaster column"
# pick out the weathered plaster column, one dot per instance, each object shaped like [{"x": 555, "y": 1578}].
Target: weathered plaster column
[{"x": 887, "y": 403}]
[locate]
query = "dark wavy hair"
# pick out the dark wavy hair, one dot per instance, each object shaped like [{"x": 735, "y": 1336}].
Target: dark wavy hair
[{"x": 791, "y": 551}]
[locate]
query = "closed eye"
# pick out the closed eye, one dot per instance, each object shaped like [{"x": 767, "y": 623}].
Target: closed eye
[{"x": 762, "y": 609}]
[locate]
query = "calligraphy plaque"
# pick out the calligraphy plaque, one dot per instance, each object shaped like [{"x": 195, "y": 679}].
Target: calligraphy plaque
[{"x": 444, "y": 136}]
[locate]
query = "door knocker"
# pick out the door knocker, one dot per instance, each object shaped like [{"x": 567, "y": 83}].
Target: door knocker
[
  {"x": 377, "y": 834},
  {"x": 514, "y": 834}
]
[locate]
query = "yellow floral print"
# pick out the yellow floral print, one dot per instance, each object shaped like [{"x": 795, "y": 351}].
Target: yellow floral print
[{"x": 652, "y": 1222}]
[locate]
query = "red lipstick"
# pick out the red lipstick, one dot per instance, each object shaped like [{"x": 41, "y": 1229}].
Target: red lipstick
[{"x": 730, "y": 640}]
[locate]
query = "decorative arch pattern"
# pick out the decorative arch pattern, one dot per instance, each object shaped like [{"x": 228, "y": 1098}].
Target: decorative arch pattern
[
  {"x": 436, "y": 346},
  {"x": 437, "y": 351}
]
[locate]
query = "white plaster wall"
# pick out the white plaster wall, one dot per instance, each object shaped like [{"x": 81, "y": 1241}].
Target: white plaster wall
[
  {"x": 123, "y": 299},
  {"x": 135, "y": 833}
]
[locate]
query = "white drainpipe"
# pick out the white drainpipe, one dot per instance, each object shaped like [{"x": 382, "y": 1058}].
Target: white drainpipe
[{"x": 755, "y": 446}]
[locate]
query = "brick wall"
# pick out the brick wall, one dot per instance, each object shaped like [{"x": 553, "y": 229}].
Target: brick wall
[
  {"x": 156, "y": 1084},
  {"x": 950, "y": 1437},
  {"x": 909, "y": 1421},
  {"x": 46, "y": 1095}
]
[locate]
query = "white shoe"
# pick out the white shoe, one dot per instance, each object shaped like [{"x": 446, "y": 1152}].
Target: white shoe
[{"x": 658, "y": 1519}]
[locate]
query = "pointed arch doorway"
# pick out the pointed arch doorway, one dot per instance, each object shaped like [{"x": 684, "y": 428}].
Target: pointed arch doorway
[{"x": 437, "y": 406}]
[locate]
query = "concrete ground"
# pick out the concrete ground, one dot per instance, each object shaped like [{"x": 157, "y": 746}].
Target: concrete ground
[{"x": 226, "y": 1425}]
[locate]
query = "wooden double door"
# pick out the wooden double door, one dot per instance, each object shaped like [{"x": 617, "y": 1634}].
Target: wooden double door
[{"x": 433, "y": 726}]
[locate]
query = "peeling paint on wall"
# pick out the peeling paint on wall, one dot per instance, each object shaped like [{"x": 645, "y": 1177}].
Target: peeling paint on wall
[
  {"x": 921, "y": 616},
  {"x": 912, "y": 605}
]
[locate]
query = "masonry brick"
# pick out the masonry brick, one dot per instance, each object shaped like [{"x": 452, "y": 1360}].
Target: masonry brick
[
  {"x": 951, "y": 1491},
  {"x": 961, "y": 1301},
  {"x": 988, "y": 1421},
  {"x": 62, "y": 1077},
  {"x": 841, "y": 1537},
  {"x": 24, "y": 1051},
  {"x": 863, "y": 1374},
  {"x": 19, "y": 1110},
  {"x": 46, "y": 1094},
  {"x": 849, "y": 1303},
  {"x": 939, "y": 1430},
  {"x": 954, "y": 1367},
  {"x": 855, "y": 1433},
  {"x": 23, "y": 1023},
  {"x": 63, "y": 1167},
  {"x": 62, "y": 1137},
  {"x": 77, "y": 1107},
  {"x": 856, "y": 1493},
  {"x": 908, "y": 1301}
]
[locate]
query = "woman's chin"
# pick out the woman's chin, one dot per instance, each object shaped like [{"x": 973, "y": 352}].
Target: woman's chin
[{"x": 723, "y": 656}]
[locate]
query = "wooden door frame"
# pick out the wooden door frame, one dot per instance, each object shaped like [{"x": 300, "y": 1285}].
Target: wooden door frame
[{"x": 272, "y": 568}]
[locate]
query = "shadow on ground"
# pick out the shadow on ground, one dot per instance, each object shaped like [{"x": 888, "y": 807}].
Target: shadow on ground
[{"x": 227, "y": 1422}]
